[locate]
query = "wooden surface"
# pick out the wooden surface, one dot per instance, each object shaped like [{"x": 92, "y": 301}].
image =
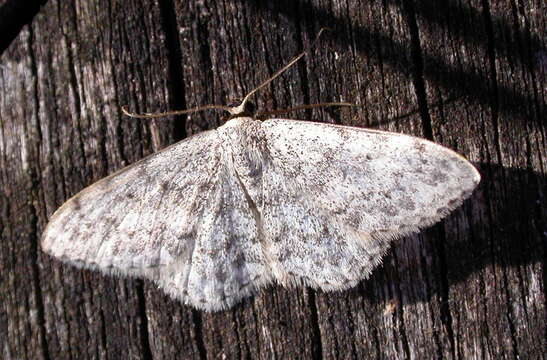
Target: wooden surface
[{"x": 470, "y": 75}]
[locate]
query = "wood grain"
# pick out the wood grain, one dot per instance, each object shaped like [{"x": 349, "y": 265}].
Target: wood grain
[{"x": 470, "y": 75}]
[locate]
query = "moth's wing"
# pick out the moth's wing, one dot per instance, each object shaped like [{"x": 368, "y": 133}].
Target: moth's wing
[
  {"x": 176, "y": 217},
  {"x": 336, "y": 196},
  {"x": 228, "y": 262}
]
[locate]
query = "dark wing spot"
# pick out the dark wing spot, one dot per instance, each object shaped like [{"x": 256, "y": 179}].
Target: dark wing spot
[
  {"x": 76, "y": 204},
  {"x": 390, "y": 210},
  {"x": 419, "y": 146},
  {"x": 220, "y": 275},
  {"x": 407, "y": 204},
  {"x": 164, "y": 185}
]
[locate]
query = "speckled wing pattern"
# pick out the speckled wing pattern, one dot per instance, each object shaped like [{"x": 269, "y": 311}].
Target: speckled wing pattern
[
  {"x": 335, "y": 197},
  {"x": 178, "y": 217},
  {"x": 223, "y": 213}
]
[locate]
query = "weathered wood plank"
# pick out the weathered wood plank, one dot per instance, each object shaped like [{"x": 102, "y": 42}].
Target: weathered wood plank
[
  {"x": 468, "y": 75},
  {"x": 494, "y": 73}
]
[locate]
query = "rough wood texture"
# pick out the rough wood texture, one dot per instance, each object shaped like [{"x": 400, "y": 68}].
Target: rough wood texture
[{"x": 470, "y": 75}]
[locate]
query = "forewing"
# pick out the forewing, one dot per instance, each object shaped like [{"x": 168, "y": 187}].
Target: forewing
[
  {"x": 140, "y": 217},
  {"x": 178, "y": 218},
  {"x": 335, "y": 196}
]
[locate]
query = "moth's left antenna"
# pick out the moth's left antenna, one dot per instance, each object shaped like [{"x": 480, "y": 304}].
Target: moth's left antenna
[{"x": 176, "y": 112}]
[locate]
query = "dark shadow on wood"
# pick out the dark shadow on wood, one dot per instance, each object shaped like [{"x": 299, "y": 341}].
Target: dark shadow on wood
[
  {"x": 15, "y": 14},
  {"x": 516, "y": 41},
  {"x": 475, "y": 86}
]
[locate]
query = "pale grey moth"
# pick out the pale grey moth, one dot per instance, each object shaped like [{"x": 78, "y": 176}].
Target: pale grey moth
[{"x": 215, "y": 217}]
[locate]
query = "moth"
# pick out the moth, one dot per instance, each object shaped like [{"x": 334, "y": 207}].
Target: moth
[{"x": 215, "y": 217}]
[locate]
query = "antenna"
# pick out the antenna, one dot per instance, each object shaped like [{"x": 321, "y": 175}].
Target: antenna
[
  {"x": 176, "y": 112},
  {"x": 236, "y": 110}
]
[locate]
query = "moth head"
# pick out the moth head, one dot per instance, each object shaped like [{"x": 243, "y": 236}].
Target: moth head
[{"x": 240, "y": 108}]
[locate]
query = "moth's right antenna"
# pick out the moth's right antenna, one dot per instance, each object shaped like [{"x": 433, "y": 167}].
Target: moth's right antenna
[{"x": 239, "y": 109}]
